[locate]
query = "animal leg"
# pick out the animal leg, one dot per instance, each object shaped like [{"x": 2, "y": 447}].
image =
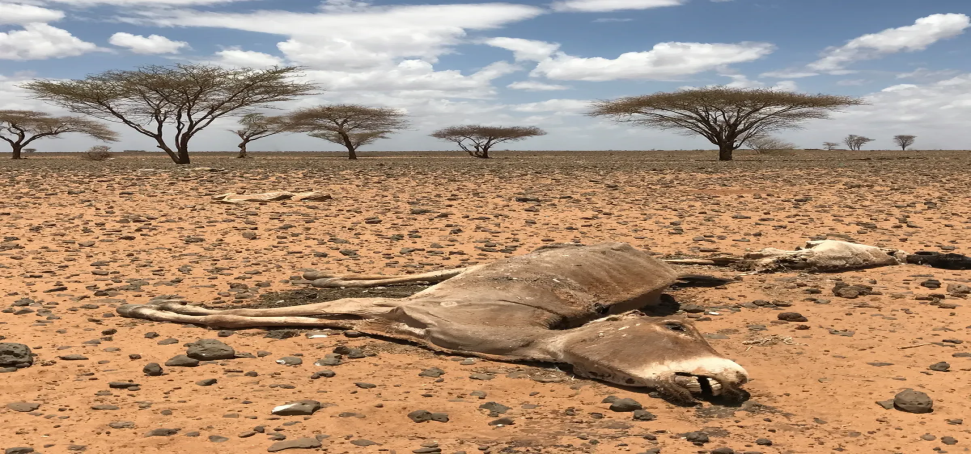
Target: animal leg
[
  {"x": 230, "y": 321},
  {"x": 352, "y": 308},
  {"x": 370, "y": 280}
]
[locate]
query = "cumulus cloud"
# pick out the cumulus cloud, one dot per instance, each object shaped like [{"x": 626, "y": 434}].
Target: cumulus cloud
[
  {"x": 17, "y": 14},
  {"x": 666, "y": 61},
  {"x": 525, "y": 49},
  {"x": 364, "y": 37},
  {"x": 152, "y": 44},
  {"x": 611, "y": 5},
  {"x": 532, "y": 85},
  {"x": 415, "y": 78},
  {"x": 925, "y": 32},
  {"x": 41, "y": 41},
  {"x": 237, "y": 58},
  {"x": 554, "y": 105}
]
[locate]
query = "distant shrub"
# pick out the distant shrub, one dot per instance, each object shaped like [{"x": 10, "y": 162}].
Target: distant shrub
[
  {"x": 97, "y": 153},
  {"x": 30, "y": 150}
]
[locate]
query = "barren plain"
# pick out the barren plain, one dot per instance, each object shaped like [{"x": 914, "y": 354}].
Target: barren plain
[{"x": 80, "y": 238}]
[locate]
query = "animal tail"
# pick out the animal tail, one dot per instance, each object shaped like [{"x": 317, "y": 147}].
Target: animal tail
[{"x": 701, "y": 280}]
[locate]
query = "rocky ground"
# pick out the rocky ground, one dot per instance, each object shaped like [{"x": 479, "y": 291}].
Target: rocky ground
[{"x": 80, "y": 238}]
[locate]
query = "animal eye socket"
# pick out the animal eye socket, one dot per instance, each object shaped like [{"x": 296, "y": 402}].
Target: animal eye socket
[{"x": 675, "y": 327}]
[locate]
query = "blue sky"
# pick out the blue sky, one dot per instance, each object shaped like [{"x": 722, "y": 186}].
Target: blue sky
[{"x": 525, "y": 63}]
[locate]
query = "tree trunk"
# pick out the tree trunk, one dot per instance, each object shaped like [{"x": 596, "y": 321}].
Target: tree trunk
[
  {"x": 17, "y": 150},
  {"x": 725, "y": 151},
  {"x": 351, "y": 152},
  {"x": 484, "y": 153},
  {"x": 242, "y": 150},
  {"x": 183, "y": 156}
]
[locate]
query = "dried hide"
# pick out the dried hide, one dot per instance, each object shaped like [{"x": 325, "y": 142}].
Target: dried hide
[
  {"x": 824, "y": 256},
  {"x": 272, "y": 197}
]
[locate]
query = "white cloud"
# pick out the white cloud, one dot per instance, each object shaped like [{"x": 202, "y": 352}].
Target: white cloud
[
  {"x": 789, "y": 74},
  {"x": 554, "y": 105},
  {"x": 741, "y": 81},
  {"x": 525, "y": 49},
  {"x": 925, "y": 31},
  {"x": 363, "y": 38},
  {"x": 143, "y": 3},
  {"x": 666, "y": 61},
  {"x": 532, "y": 85},
  {"x": 41, "y": 41},
  {"x": 414, "y": 78},
  {"x": 924, "y": 73},
  {"x": 235, "y": 57},
  {"x": 152, "y": 44},
  {"x": 611, "y": 5},
  {"x": 17, "y": 14}
]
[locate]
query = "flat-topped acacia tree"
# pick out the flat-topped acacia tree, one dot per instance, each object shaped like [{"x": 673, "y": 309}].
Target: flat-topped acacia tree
[
  {"x": 727, "y": 117},
  {"x": 482, "y": 138},
  {"x": 256, "y": 126},
  {"x": 21, "y": 127},
  {"x": 185, "y": 97},
  {"x": 350, "y": 125}
]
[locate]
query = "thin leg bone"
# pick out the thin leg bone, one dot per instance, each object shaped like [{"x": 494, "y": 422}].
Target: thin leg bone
[
  {"x": 231, "y": 321},
  {"x": 346, "y": 307},
  {"x": 361, "y": 281}
]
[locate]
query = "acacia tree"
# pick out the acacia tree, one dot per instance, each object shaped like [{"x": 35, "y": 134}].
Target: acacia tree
[
  {"x": 186, "y": 97},
  {"x": 21, "y": 127},
  {"x": 350, "y": 125},
  {"x": 727, "y": 117},
  {"x": 256, "y": 126},
  {"x": 830, "y": 145},
  {"x": 482, "y": 138},
  {"x": 855, "y": 142},
  {"x": 765, "y": 142},
  {"x": 904, "y": 141}
]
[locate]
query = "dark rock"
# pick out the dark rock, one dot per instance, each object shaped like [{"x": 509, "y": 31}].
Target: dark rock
[
  {"x": 949, "y": 441},
  {"x": 210, "y": 350},
  {"x": 625, "y": 405},
  {"x": 911, "y": 401},
  {"x": 290, "y": 361},
  {"x": 363, "y": 385},
  {"x": 74, "y": 357},
  {"x": 644, "y": 415},
  {"x": 121, "y": 425},
  {"x": 940, "y": 367},
  {"x": 723, "y": 451},
  {"x": 698, "y": 438},
  {"x": 792, "y": 317},
  {"x": 763, "y": 442},
  {"x": 18, "y": 450},
  {"x": 844, "y": 290},
  {"x": 932, "y": 284},
  {"x": 206, "y": 382},
  {"x": 23, "y": 407},
  {"x": 162, "y": 432},
  {"x": 494, "y": 408},
  {"x": 154, "y": 370},
  {"x": 323, "y": 373},
  {"x": 297, "y": 443},
  {"x": 217, "y": 438},
  {"x": 501, "y": 422},
  {"x": 362, "y": 442},
  {"x": 433, "y": 372},
  {"x": 182, "y": 361}
]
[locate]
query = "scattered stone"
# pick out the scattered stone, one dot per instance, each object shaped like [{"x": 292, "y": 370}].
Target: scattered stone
[
  {"x": 210, "y": 350},
  {"x": 644, "y": 415},
  {"x": 15, "y": 355},
  {"x": 206, "y": 382},
  {"x": 501, "y": 422},
  {"x": 161, "y": 432},
  {"x": 433, "y": 372},
  {"x": 217, "y": 438},
  {"x": 298, "y": 443},
  {"x": 625, "y": 405},
  {"x": 792, "y": 317},
  {"x": 940, "y": 367},
  {"x": 23, "y": 407},
  {"x": 698, "y": 438},
  {"x": 154, "y": 370},
  {"x": 290, "y": 361},
  {"x": 182, "y": 361},
  {"x": 911, "y": 401}
]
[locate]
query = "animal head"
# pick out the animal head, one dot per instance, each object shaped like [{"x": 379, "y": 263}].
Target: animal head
[{"x": 668, "y": 354}]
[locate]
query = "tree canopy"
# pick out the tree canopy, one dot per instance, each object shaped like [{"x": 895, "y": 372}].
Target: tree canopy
[
  {"x": 349, "y": 125},
  {"x": 855, "y": 142},
  {"x": 256, "y": 126},
  {"x": 21, "y": 127},
  {"x": 482, "y": 138},
  {"x": 726, "y": 117},
  {"x": 186, "y": 97},
  {"x": 904, "y": 141}
]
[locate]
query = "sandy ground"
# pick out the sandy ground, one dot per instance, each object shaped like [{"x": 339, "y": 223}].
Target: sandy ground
[{"x": 80, "y": 238}]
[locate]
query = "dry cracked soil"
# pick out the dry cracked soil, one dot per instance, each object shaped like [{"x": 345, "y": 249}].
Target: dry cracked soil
[{"x": 80, "y": 238}]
